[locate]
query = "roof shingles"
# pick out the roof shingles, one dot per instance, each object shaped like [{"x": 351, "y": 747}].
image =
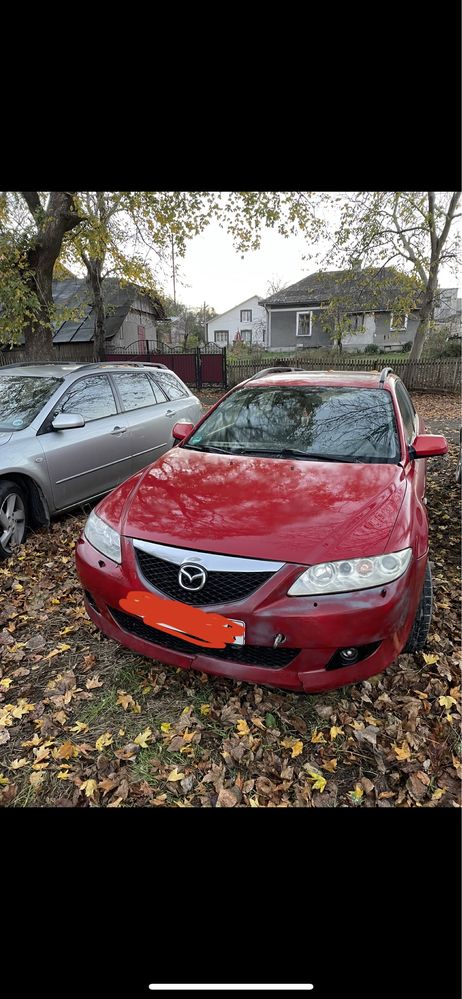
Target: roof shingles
[
  {"x": 373, "y": 288},
  {"x": 76, "y": 294}
]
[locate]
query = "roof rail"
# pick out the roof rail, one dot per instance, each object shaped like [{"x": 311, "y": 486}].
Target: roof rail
[
  {"x": 83, "y": 364},
  {"x": 270, "y": 371},
  {"x": 142, "y": 364},
  {"x": 40, "y": 364},
  {"x": 384, "y": 374}
]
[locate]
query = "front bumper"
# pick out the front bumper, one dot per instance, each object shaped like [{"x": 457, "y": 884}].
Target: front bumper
[{"x": 316, "y": 626}]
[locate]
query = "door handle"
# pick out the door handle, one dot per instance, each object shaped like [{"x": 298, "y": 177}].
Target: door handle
[
  {"x": 118, "y": 430},
  {"x": 170, "y": 412}
]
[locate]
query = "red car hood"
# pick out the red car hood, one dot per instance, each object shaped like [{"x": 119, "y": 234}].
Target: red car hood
[{"x": 267, "y": 508}]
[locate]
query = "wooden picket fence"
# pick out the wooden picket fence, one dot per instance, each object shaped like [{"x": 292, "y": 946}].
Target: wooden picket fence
[{"x": 418, "y": 376}]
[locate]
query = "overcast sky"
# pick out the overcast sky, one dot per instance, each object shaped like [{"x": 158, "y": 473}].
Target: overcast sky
[{"x": 212, "y": 272}]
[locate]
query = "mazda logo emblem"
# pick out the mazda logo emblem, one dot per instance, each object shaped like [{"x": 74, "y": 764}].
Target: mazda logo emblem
[{"x": 192, "y": 577}]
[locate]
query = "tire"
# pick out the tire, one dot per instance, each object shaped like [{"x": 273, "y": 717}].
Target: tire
[
  {"x": 421, "y": 626},
  {"x": 13, "y": 517}
]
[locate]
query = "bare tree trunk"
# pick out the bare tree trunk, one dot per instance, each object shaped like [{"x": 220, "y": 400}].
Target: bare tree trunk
[
  {"x": 53, "y": 222},
  {"x": 437, "y": 245},
  {"x": 94, "y": 273},
  {"x": 426, "y": 312}
]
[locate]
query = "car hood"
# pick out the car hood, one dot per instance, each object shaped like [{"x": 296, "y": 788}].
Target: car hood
[
  {"x": 266, "y": 508},
  {"x": 5, "y": 436}
]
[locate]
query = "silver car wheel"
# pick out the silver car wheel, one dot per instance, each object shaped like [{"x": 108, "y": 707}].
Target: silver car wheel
[{"x": 12, "y": 522}]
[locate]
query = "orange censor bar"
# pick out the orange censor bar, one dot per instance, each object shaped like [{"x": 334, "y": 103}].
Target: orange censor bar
[{"x": 211, "y": 631}]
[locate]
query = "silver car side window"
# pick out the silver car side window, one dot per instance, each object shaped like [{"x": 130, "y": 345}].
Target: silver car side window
[
  {"x": 171, "y": 385},
  {"x": 91, "y": 397},
  {"x": 136, "y": 390}
]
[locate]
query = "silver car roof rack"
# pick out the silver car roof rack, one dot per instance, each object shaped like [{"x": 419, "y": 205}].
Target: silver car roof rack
[
  {"x": 270, "y": 371},
  {"x": 384, "y": 374},
  {"x": 84, "y": 364}
]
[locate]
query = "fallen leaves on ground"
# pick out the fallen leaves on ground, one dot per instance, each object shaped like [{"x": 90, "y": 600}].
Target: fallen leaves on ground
[{"x": 157, "y": 736}]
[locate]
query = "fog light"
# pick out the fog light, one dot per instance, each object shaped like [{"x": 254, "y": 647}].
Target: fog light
[{"x": 349, "y": 655}]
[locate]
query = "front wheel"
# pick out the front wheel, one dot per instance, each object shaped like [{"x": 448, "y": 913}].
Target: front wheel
[
  {"x": 421, "y": 626},
  {"x": 13, "y": 519}
]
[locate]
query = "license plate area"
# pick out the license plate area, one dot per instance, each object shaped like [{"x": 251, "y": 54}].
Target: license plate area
[{"x": 240, "y": 640}]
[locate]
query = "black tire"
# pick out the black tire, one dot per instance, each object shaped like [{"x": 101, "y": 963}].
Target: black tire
[
  {"x": 13, "y": 510},
  {"x": 421, "y": 626}
]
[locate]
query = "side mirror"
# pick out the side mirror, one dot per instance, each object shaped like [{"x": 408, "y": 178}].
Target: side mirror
[
  {"x": 182, "y": 430},
  {"x": 67, "y": 421},
  {"x": 428, "y": 446}
]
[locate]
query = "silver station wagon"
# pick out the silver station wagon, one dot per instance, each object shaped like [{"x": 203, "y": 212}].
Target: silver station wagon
[{"x": 72, "y": 432}]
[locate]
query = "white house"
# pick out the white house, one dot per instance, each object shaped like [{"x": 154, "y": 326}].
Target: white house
[{"x": 245, "y": 321}]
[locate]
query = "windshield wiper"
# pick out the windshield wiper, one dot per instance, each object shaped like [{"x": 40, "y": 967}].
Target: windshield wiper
[
  {"x": 208, "y": 447},
  {"x": 288, "y": 452}
]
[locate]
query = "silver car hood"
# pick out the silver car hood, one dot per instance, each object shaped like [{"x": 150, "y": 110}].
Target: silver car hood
[{"x": 5, "y": 437}]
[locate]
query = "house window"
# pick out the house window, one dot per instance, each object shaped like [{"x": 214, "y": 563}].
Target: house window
[
  {"x": 304, "y": 323},
  {"x": 357, "y": 322},
  {"x": 221, "y": 336},
  {"x": 246, "y": 315},
  {"x": 398, "y": 322},
  {"x": 246, "y": 336}
]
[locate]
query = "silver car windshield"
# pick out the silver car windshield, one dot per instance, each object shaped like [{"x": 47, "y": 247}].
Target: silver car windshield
[{"x": 22, "y": 397}]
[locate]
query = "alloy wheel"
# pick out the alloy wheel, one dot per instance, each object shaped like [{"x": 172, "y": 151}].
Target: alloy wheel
[{"x": 12, "y": 521}]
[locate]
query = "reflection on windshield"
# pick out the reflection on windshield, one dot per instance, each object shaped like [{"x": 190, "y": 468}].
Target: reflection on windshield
[
  {"x": 351, "y": 423},
  {"x": 22, "y": 397}
]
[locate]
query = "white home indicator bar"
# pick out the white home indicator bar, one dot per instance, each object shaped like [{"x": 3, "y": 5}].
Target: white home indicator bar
[{"x": 231, "y": 988}]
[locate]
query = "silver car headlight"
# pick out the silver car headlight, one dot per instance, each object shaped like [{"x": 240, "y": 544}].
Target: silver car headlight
[
  {"x": 104, "y": 538},
  {"x": 351, "y": 574}
]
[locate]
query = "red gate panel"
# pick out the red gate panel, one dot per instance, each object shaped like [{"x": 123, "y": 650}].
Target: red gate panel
[{"x": 212, "y": 369}]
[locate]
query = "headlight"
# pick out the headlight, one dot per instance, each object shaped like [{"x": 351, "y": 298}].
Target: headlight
[
  {"x": 351, "y": 574},
  {"x": 104, "y": 538}
]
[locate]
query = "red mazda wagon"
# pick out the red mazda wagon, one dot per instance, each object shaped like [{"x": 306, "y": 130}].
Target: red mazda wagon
[{"x": 292, "y": 518}]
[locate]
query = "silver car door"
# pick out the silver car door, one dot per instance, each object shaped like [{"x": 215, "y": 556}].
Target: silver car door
[
  {"x": 90, "y": 460},
  {"x": 147, "y": 413}
]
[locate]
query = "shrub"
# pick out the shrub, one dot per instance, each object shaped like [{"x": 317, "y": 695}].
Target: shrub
[
  {"x": 407, "y": 347},
  {"x": 437, "y": 344},
  {"x": 372, "y": 348}
]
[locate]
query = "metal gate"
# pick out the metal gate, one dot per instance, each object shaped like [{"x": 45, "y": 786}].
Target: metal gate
[{"x": 196, "y": 366}]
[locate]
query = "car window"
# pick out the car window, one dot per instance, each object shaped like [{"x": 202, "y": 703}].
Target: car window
[
  {"x": 171, "y": 385},
  {"x": 407, "y": 411},
  {"x": 22, "y": 397},
  {"x": 137, "y": 390},
  {"x": 90, "y": 397},
  {"x": 350, "y": 424}
]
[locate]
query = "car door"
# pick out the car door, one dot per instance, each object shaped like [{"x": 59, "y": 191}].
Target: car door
[
  {"x": 183, "y": 406},
  {"x": 90, "y": 460},
  {"x": 148, "y": 415}
]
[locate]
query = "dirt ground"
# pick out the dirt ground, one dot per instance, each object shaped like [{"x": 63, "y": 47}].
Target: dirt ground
[{"x": 86, "y": 723}]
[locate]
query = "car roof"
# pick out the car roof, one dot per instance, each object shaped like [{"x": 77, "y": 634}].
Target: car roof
[
  {"x": 52, "y": 370},
  {"x": 333, "y": 378}
]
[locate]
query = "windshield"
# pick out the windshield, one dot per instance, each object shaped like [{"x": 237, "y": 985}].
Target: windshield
[
  {"x": 22, "y": 397},
  {"x": 312, "y": 422}
]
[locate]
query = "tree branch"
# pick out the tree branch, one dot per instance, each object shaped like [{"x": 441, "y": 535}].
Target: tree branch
[
  {"x": 407, "y": 245},
  {"x": 32, "y": 201},
  {"x": 432, "y": 223},
  {"x": 449, "y": 218}
]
